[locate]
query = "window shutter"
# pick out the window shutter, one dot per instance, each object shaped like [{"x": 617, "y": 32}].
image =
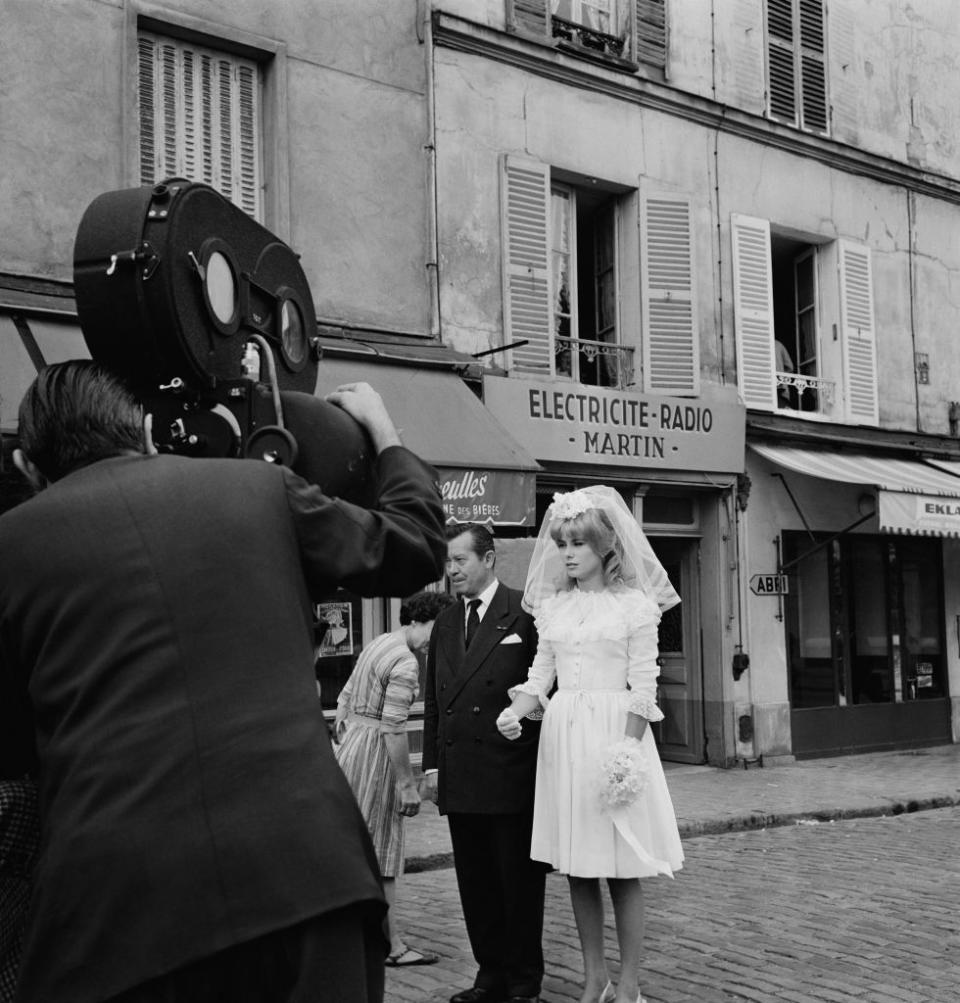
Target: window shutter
[
  {"x": 200, "y": 118},
  {"x": 753, "y": 311},
  {"x": 671, "y": 343},
  {"x": 248, "y": 147},
  {"x": 650, "y": 31},
  {"x": 146, "y": 56},
  {"x": 813, "y": 76},
  {"x": 531, "y": 17},
  {"x": 859, "y": 337},
  {"x": 527, "y": 315},
  {"x": 781, "y": 72}
]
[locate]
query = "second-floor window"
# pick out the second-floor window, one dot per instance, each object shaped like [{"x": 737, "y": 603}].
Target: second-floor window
[
  {"x": 200, "y": 118},
  {"x": 796, "y": 63},
  {"x": 582, "y": 300},
  {"x": 584, "y": 288},
  {"x": 806, "y": 342}
]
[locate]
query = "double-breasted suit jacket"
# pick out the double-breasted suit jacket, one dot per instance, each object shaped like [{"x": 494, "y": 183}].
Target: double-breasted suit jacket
[{"x": 479, "y": 770}]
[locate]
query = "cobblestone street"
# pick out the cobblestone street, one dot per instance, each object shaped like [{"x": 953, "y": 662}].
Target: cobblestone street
[{"x": 856, "y": 909}]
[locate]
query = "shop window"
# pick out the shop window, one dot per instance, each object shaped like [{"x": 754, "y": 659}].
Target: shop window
[
  {"x": 572, "y": 289},
  {"x": 338, "y": 635},
  {"x": 796, "y": 63},
  {"x": 620, "y": 30},
  {"x": 804, "y": 324},
  {"x": 200, "y": 118},
  {"x": 864, "y": 621}
]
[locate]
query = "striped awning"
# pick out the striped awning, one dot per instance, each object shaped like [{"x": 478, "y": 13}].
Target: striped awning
[{"x": 916, "y": 497}]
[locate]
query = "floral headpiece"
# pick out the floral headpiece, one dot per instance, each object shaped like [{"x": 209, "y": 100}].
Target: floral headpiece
[{"x": 570, "y": 504}]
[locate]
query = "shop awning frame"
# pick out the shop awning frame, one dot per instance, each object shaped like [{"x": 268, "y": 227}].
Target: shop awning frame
[
  {"x": 914, "y": 497},
  {"x": 486, "y": 475}
]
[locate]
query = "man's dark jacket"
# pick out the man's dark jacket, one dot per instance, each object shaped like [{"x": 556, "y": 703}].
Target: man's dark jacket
[
  {"x": 157, "y": 611},
  {"x": 479, "y": 770}
]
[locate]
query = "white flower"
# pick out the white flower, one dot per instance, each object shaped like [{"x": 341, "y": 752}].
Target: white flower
[
  {"x": 570, "y": 504},
  {"x": 623, "y": 774}
]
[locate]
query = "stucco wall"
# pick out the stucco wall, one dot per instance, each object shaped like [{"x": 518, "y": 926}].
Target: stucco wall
[
  {"x": 352, "y": 133},
  {"x": 485, "y": 109},
  {"x": 891, "y": 67}
]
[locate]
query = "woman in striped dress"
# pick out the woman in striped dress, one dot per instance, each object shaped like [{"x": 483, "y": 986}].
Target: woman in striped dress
[{"x": 371, "y": 736}]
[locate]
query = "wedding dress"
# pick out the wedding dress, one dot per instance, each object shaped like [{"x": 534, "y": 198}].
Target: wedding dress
[{"x": 601, "y": 649}]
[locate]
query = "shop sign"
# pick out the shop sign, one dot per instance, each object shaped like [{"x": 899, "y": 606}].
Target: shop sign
[
  {"x": 769, "y": 585},
  {"x": 578, "y": 424},
  {"x": 500, "y": 497}
]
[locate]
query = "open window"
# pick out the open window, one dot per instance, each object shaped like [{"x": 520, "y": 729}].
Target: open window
[
  {"x": 562, "y": 269},
  {"x": 583, "y": 286},
  {"x": 804, "y": 324},
  {"x": 630, "y": 30},
  {"x": 575, "y": 306}
]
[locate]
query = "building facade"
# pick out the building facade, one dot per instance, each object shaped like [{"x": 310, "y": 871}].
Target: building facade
[
  {"x": 701, "y": 251},
  {"x": 664, "y": 211}
]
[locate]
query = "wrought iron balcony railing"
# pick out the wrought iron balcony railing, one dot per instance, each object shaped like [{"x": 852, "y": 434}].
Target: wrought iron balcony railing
[
  {"x": 589, "y": 38},
  {"x": 596, "y": 363},
  {"x": 796, "y": 392}
]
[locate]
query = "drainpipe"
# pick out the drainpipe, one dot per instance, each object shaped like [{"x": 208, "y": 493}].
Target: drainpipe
[{"x": 425, "y": 37}]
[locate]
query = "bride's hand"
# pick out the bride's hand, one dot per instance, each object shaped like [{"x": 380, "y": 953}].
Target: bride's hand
[{"x": 508, "y": 724}]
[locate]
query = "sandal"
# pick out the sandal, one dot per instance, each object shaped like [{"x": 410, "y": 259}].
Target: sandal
[{"x": 408, "y": 956}]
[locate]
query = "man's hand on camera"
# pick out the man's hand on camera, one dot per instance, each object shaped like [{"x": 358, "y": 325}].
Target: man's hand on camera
[{"x": 364, "y": 404}]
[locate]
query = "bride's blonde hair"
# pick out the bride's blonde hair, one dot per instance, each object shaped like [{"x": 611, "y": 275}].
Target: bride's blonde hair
[{"x": 595, "y": 529}]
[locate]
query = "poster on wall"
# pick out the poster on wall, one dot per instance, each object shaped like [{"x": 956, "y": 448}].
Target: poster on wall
[{"x": 338, "y": 637}]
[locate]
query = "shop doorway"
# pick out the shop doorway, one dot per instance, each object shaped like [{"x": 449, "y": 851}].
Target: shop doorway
[
  {"x": 865, "y": 644},
  {"x": 680, "y": 735}
]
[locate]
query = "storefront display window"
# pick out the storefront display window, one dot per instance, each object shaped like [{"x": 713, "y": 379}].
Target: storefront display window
[
  {"x": 863, "y": 620},
  {"x": 338, "y": 634}
]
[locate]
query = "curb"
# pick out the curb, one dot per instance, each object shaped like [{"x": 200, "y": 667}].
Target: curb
[{"x": 746, "y": 823}]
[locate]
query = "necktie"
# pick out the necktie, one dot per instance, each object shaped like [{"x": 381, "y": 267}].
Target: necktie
[{"x": 473, "y": 619}]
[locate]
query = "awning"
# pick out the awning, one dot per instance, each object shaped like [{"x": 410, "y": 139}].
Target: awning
[
  {"x": 485, "y": 475},
  {"x": 913, "y": 496}
]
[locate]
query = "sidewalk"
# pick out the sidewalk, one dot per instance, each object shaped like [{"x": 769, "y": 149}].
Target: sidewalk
[{"x": 710, "y": 800}]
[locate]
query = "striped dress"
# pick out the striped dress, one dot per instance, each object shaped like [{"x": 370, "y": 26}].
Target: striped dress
[{"x": 378, "y": 696}]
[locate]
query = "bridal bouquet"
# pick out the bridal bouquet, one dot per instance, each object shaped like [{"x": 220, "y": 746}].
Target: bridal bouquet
[{"x": 623, "y": 774}]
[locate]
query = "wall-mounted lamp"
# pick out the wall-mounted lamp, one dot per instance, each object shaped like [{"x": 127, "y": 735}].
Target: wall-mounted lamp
[{"x": 866, "y": 504}]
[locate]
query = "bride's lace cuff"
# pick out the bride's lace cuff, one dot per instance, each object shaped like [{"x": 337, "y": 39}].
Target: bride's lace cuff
[
  {"x": 533, "y": 690},
  {"x": 644, "y": 706}
]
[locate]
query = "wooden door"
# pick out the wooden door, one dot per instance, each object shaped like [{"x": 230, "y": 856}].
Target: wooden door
[{"x": 680, "y": 736}]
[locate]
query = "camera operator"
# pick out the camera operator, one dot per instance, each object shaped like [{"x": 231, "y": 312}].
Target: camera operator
[{"x": 198, "y": 838}]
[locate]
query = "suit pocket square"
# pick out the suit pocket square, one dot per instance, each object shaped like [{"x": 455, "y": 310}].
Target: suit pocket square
[{"x": 512, "y": 639}]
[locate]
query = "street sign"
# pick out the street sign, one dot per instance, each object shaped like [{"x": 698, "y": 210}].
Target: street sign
[{"x": 769, "y": 585}]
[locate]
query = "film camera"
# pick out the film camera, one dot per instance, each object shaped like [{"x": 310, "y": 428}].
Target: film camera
[{"x": 209, "y": 319}]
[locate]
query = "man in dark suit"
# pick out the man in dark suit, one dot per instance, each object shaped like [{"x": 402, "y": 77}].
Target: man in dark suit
[
  {"x": 482, "y": 782},
  {"x": 198, "y": 838}
]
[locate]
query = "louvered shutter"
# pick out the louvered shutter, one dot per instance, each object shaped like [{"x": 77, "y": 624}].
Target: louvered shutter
[
  {"x": 753, "y": 311},
  {"x": 781, "y": 58},
  {"x": 529, "y": 16},
  {"x": 650, "y": 31},
  {"x": 813, "y": 76},
  {"x": 527, "y": 315},
  {"x": 670, "y": 335},
  {"x": 200, "y": 118},
  {"x": 858, "y": 334}
]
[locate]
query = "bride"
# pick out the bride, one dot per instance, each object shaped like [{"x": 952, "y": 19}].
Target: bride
[{"x": 602, "y": 809}]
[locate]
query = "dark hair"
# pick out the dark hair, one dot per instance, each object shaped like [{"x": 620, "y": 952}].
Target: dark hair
[
  {"x": 424, "y": 607},
  {"x": 481, "y": 539},
  {"x": 75, "y": 413}
]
